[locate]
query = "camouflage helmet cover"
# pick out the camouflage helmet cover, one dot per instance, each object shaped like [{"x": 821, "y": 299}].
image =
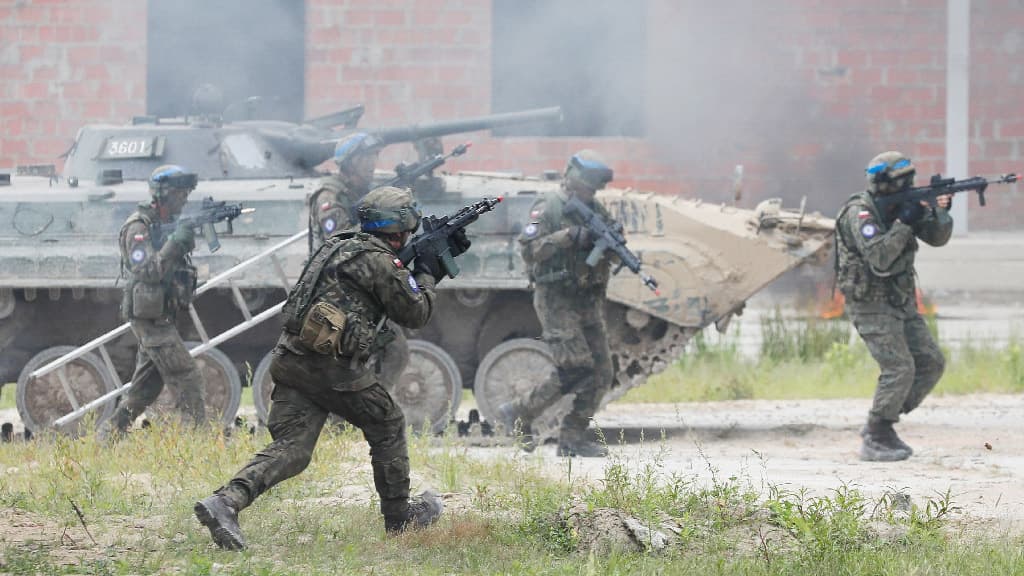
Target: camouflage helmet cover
[
  {"x": 353, "y": 145},
  {"x": 389, "y": 210},
  {"x": 889, "y": 172},
  {"x": 586, "y": 168},
  {"x": 170, "y": 177}
]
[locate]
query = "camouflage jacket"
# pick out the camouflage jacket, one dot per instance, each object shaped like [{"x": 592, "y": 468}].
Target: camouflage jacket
[
  {"x": 875, "y": 258},
  {"x": 332, "y": 207},
  {"x": 161, "y": 279},
  {"x": 363, "y": 280},
  {"x": 551, "y": 248}
]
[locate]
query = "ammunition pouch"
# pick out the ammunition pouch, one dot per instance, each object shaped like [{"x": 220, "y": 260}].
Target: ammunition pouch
[
  {"x": 329, "y": 331},
  {"x": 147, "y": 301}
]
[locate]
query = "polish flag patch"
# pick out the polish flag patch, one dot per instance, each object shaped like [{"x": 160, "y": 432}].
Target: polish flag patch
[
  {"x": 139, "y": 237},
  {"x": 325, "y": 206},
  {"x": 397, "y": 262},
  {"x": 863, "y": 214},
  {"x": 536, "y": 213}
]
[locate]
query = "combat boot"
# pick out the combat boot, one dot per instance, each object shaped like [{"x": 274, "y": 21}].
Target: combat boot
[
  {"x": 574, "y": 443},
  {"x": 881, "y": 444},
  {"x": 423, "y": 511},
  {"x": 219, "y": 515},
  {"x": 899, "y": 441},
  {"x": 516, "y": 426},
  {"x": 115, "y": 428}
]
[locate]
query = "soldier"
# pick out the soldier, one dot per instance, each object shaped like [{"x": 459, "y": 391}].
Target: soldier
[
  {"x": 331, "y": 211},
  {"x": 334, "y": 326},
  {"x": 569, "y": 299},
  {"x": 875, "y": 271},
  {"x": 330, "y": 207},
  {"x": 161, "y": 281}
]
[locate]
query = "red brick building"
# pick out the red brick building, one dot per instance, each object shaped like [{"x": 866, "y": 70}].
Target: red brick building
[{"x": 800, "y": 92}]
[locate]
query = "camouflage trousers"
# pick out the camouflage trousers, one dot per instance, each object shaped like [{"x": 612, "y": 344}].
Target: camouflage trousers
[
  {"x": 575, "y": 330},
  {"x": 908, "y": 357},
  {"x": 162, "y": 360},
  {"x": 298, "y": 413}
]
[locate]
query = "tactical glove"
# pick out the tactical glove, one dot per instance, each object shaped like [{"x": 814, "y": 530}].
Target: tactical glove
[
  {"x": 430, "y": 264},
  {"x": 909, "y": 212},
  {"x": 184, "y": 236},
  {"x": 458, "y": 243}
]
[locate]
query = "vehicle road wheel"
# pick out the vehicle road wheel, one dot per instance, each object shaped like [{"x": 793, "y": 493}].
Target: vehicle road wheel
[
  {"x": 430, "y": 388},
  {"x": 223, "y": 390},
  {"x": 510, "y": 371},
  {"x": 42, "y": 400}
]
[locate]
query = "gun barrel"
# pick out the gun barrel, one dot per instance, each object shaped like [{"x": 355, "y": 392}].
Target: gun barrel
[{"x": 418, "y": 131}]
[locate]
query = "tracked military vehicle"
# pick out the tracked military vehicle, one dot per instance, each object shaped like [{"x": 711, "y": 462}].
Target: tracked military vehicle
[{"x": 59, "y": 266}]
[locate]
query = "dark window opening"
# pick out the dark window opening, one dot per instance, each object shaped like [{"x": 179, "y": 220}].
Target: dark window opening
[
  {"x": 252, "y": 51},
  {"x": 588, "y": 56}
]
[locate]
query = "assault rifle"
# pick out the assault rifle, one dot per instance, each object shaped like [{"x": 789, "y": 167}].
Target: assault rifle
[
  {"x": 210, "y": 213},
  {"x": 608, "y": 238},
  {"x": 437, "y": 230},
  {"x": 939, "y": 186},
  {"x": 406, "y": 174}
]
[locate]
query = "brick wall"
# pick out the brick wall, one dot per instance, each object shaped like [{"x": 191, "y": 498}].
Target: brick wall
[
  {"x": 62, "y": 63},
  {"x": 801, "y": 92}
]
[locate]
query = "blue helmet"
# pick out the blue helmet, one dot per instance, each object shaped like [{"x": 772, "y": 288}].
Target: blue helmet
[
  {"x": 353, "y": 145},
  {"x": 171, "y": 177},
  {"x": 589, "y": 170}
]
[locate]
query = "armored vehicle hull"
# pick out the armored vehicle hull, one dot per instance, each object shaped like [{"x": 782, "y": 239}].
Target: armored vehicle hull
[{"x": 59, "y": 269}]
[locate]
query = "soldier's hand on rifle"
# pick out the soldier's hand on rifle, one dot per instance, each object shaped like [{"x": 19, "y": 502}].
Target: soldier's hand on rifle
[
  {"x": 428, "y": 261},
  {"x": 184, "y": 236},
  {"x": 909, "y": 213},
  {"x": 458, "y": 243},
  {"x": 943, "y": 201}
]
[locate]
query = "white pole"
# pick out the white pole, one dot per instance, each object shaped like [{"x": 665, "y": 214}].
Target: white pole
[{"x": 958, "y": 44}]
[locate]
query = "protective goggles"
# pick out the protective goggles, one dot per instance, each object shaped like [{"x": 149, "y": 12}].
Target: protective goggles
[
  {"x": 894, "y": 165},
  {"x": 594, "y": 173}
]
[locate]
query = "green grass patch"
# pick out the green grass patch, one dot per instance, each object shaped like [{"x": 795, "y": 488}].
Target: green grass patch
[
  {"x": 815, "y": 359},
  {"x": 506, "y": 515},
  {"x": 7, "y": 393}
]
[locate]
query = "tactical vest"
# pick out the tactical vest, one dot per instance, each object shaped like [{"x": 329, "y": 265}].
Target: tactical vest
[
  {"x": 147, "y": 300},
  {"x": 568, "y": 267},
  {"x": 328, "y": 312},
  {"x": 855, "y": 278}
]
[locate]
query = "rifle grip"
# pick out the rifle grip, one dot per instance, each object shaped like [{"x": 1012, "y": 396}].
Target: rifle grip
[{"x": 595, "y": 255}]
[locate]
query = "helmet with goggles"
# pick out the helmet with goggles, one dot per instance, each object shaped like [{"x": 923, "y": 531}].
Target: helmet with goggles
[
  {"x": 588, "y": 170},
  {"x": 889, "y": 172},
  {"x": 388, "y": 210}
]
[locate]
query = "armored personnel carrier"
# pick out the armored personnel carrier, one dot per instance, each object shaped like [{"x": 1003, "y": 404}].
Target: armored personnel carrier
[{"x": 59, "y": 266}]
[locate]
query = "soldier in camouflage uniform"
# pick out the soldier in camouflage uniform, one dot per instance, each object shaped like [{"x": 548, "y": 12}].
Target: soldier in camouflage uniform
[
  {"x": 875, "y": 271},
  {"x": 323, "y": 363},
  {"x": 161, "y": 282},
  {"x": 569, "y": 298},
  {"x": 331, "y": 211},
  {"x": 330, "y": 207}
]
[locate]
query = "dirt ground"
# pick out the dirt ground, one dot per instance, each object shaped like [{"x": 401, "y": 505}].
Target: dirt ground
[
  {"x": 970, "y": 446},
  {"x": 813, "y": 444}
]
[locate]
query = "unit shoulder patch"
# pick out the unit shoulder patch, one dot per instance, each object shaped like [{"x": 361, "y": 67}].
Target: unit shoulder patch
[{"x": 868, "y": 230}]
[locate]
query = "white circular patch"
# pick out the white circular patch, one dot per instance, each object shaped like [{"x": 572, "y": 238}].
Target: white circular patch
[
  {"x": 412, "y": 284},
  {"x": 530, "y": 230},
  {"x": 328, "y": 225},
  {"x": 868, "y": 230},
  {"x": 138, "y": 255}
]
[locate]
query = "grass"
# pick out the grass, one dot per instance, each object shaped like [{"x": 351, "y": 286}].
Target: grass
[
  {"x": 816, "y": 359},
  {"x": 506, "y": 516},
  {"x": 7, "y": 396}
]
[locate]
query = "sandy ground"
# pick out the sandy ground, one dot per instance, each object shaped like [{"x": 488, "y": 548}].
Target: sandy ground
[{"x": 813, "y": 444}]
